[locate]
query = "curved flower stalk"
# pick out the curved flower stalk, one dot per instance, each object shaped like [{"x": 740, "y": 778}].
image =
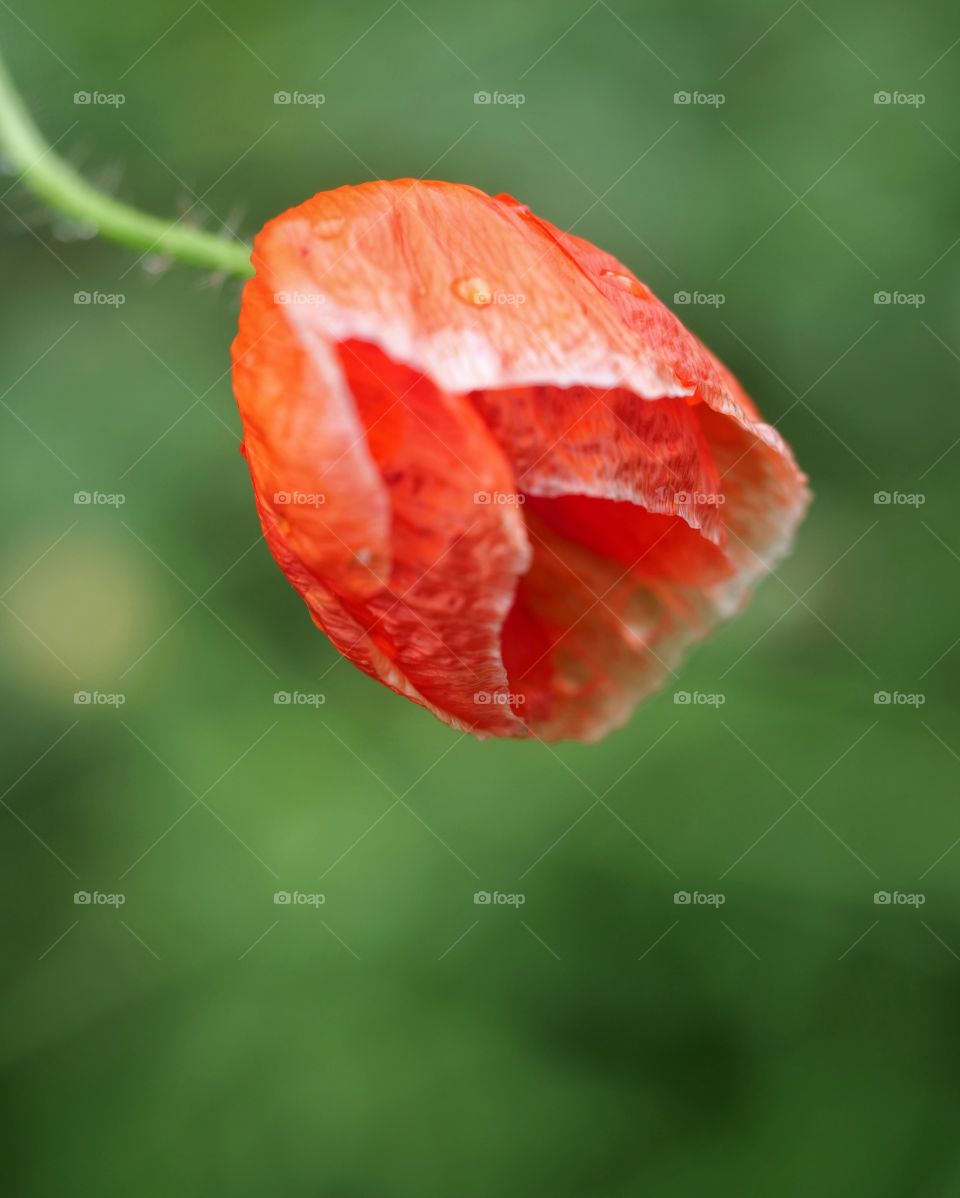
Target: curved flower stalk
[
  {"x": 506, "y": 480},
  {"x": 67, "y": 192}
]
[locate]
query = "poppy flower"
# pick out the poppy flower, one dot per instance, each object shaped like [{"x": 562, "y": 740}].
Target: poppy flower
[{"x": 506, "y": 480}]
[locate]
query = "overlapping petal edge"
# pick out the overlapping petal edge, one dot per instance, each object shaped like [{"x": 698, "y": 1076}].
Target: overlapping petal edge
[{"x": 526, "y": 486}]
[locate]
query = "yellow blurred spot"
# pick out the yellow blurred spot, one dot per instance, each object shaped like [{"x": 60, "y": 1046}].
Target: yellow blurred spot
[{"x": 79, "y": 614}]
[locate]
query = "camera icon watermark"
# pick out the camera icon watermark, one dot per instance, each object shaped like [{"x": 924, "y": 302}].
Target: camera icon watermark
[
  {"x": 499, "y": 498},
  {"x": 698, "y": 898},
  {"x": 703, "y": 299},
  {"x": 497, "y": 898},
  {"x": 99, "y": 498},
  {"x": 697, "y": 99},
  {"x": 498, "y": 699},
  {"x": 298, "y": 898},
  {"x": 896, "y": 898},
  {"x": 299, "y": 99},
  {"x": 698, "y": 498},
  {"x": 899, "y": 299},
  {"x": 99, "y": 698},
  {"x": 298, "y": 699},
  {"x": 299, "y": 299},
  {"x": 699, "y": 698},
  {"x": 97, "y": 99},
  {"x": 898, "y": 699},
  {"x": 899, "y": 498},
  {"x": 497, "y": 99},
  {"x": 98, "y": 898},
  {"x": 299, "y": 498},
  {"x": 900, "y": 99},
  {"x": 99, "y": 299}
]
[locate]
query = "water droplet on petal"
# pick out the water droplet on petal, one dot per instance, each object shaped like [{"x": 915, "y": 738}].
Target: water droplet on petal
[
  {"x": 473, "y": 290},
  {"x": 626, "y": 283},
  {"x": 328, "y": 226},
  {"x": 516, "y": 205},
  {"x": 635, "y": 633}
]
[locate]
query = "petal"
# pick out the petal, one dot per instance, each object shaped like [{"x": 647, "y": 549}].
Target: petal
[
  {"x": 427, "y": 619},
  {"x": 455, "y": 558},
  {"x": 583, "y": 642},
  {"x": 315, "y": 477},
  {"x": 648, "y": 460},
  {"x": 765, "y": 493}
]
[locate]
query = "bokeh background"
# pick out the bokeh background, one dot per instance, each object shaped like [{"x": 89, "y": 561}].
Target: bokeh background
[{"x": 400, "y": 1039}]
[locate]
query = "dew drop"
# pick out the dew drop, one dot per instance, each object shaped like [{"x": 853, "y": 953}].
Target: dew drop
[
  {"x": 329, "y": 226},
  {"x": 635, "y": 632},
  {"x": 509, "y": 202},
  {"x": 473, "y": 290},
  {"x": 626, "y": 283}
]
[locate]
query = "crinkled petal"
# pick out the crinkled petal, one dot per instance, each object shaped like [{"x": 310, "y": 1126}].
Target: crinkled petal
[{"x": 436, "y": 344}]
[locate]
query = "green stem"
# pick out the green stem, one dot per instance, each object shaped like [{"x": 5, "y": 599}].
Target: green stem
[{"x": 67, "y": 192}]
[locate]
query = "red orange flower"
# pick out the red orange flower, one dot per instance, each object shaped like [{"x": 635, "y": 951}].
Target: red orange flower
[{"x": 506, "y": 480}]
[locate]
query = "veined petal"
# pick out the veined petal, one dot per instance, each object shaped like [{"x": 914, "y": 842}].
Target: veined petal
[{"x": 539, "y": 487}]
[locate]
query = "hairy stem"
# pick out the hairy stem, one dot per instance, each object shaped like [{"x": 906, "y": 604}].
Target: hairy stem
[{"x": 67, "y": 192}]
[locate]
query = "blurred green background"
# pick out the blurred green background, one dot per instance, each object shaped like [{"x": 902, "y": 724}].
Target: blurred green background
[{"x": 399, "y": 1039}]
